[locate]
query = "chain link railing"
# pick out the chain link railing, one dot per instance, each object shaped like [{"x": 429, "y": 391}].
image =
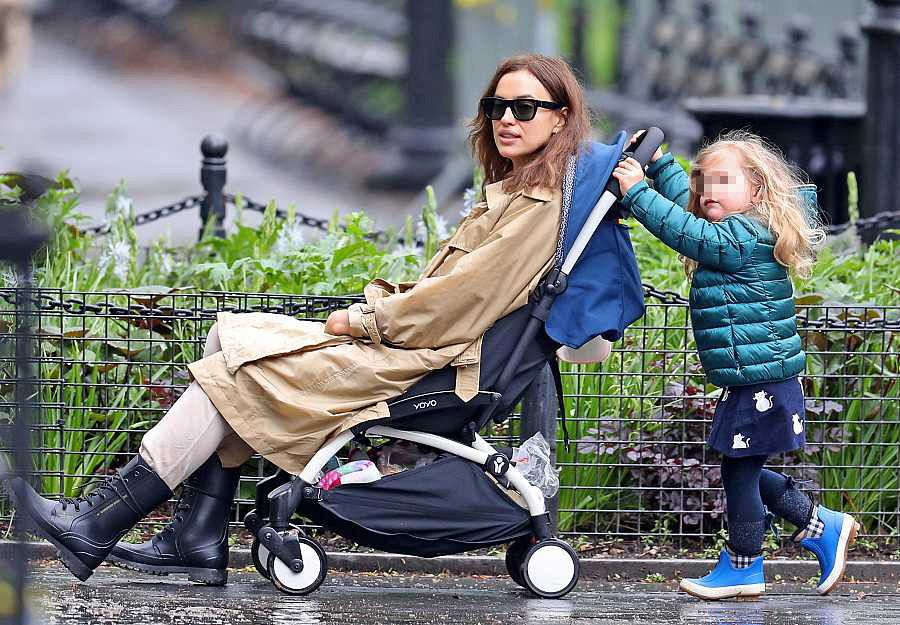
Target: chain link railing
[
  {"x": 878, "y": 222},
  {"x": 214, "y": 201}
]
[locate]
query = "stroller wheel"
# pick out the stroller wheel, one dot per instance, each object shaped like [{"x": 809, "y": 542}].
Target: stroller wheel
[
  {"x": 550, "y": 568},
  {"x": 315, "y": 566},
  {"x": 515, "y": 557},
  {"x": 260, "y": 556}
]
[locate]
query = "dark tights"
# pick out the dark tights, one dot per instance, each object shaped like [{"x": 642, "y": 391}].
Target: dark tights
[{"x": 746, "y": 505}]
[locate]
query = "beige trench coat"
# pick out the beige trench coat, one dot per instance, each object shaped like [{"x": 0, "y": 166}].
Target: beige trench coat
[{"x": 286, "y": 386}]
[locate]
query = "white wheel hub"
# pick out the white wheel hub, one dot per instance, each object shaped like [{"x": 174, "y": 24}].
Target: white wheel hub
[
  {"x": 550, "y": 568},
  {"x": 312, "y": 569}
]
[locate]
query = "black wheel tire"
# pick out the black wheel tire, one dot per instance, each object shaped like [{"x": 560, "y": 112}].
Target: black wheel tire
[
  {"x": 315, "y": 568},
  {"x": 260, "y": 556},
  {"x": 515, "y": 557},
  {"x": 550, "y": 569}
]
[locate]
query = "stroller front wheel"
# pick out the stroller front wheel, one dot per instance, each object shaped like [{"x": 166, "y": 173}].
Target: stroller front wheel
[
  {"x": 550, "y": 568},
  {"x": 315, "y": 567},
  {"x": 259, "y": 554}
]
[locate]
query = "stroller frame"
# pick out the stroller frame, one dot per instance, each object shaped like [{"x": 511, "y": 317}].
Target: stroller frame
[{"x": 541, "y": 563}]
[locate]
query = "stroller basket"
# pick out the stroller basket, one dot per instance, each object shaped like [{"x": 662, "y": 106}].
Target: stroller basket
[{"x": 418, "y": 512}]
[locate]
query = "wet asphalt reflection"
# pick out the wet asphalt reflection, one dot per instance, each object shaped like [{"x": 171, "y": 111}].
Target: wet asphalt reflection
[{"x": 114, "y": 596}]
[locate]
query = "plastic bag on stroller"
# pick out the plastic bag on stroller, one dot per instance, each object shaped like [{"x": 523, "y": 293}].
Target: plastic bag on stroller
[{"x": 533, "y": 461}]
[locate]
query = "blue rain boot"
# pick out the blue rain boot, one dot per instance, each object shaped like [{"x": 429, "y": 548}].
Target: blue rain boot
[
  {"x": 726, "y": 582},
  {"x": 829, "y": 536}
]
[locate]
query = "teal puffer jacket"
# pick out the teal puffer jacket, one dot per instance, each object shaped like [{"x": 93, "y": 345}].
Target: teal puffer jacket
[{"x": 741, "y": 299}]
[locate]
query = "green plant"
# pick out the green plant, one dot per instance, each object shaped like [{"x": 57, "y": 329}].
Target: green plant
[{"x": 106, "y": 381}]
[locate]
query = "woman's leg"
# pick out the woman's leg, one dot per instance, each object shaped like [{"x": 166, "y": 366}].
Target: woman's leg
[
  {"x": 185, "y": 437},
  {"x": 191, "y": 431},
  {"x": 196, "y": 539},
  {"x": 84, "y": 530}
]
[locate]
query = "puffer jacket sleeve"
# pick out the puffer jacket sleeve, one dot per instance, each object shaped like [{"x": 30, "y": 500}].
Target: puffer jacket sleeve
[
  {"x": 459, "y": 306},
  {"x": 726, "y": 245},
  {"x": 670, "y": 180}
]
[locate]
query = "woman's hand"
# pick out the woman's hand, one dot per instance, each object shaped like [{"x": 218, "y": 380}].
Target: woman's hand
[
  {"x": 338, "y": 323},
  {"x": 656, "y": 155},
  {"x": 628, "y": 172}
]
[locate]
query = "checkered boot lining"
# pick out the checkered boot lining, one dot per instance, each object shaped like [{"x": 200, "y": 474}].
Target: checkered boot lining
[
  {"x": 816, "y": 528},
  {"x": 740, "y": 561}
]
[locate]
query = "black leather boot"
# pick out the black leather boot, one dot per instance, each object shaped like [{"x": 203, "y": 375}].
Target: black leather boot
[
  {"x": 85, "y": 529},
  {"x": 196, "y": 540}
]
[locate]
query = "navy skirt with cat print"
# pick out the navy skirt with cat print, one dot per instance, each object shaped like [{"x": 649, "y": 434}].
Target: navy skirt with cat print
[{"x": 760, "y": 419}]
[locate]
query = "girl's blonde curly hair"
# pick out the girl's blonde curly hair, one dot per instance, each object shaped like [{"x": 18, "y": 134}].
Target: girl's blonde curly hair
[{"x": 796, "y": 227}]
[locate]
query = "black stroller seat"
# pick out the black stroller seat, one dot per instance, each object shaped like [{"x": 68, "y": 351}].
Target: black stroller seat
[{"x": 447, "y": 414}]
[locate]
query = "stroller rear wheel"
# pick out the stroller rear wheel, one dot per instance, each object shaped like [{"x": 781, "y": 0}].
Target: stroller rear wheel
[
  {"x": 515, "y": 558},
  {"x": 550, "y": 568},
  {"x": 260, "y": 556},
  {"x": 315, "y": 567}
]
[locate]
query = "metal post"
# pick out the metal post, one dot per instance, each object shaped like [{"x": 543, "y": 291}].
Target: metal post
[
  {"x": 539, "y": 415},
  {"x": 881, "y": 138},
  {"x": 18, "y": 241},
  {"x": 579, "y": 29},
  {"x": 213, "y": 173},
  {"x": 428, "y": 134}
]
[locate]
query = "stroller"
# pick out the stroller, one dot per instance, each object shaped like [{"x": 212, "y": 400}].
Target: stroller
[{"x": 466, "y": 498}]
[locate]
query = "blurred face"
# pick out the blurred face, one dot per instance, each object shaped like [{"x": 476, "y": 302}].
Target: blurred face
[
  {"x": 723, "y": 186},
  {"x": 519, "y": 140}
]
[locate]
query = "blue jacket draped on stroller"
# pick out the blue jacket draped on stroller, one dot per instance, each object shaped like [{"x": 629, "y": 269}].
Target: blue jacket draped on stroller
[{"x": 471, "y": 496}]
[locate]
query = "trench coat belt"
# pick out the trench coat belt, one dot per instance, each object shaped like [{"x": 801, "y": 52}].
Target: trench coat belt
[{"x": 468, "y": 370}]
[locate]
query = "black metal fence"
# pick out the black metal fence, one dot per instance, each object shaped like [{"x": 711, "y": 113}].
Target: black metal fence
[{"x": 110, "y": 364}]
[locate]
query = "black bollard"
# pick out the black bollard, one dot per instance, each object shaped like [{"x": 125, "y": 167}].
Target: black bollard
[
  {"x": 428, "y": 134},
  {"x": 579, "y": 28},
  {"x": 880, "y": 184},
  {"x": 213, "y": 173}
]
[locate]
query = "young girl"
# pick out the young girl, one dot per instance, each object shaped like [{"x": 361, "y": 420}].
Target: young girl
[{"x": 740, "y": 225}]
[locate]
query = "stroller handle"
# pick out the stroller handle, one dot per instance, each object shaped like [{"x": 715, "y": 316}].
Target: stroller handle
[
  {"x": 641, "y": 150},
  {"x": 555, "y": 281}
]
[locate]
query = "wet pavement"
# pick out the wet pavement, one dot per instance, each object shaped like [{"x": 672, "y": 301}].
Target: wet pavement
[{"x": 117, "y": 596}]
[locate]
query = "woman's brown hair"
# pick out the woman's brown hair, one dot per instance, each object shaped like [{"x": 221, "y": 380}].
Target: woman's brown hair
[{"x": 547, "y": 166}]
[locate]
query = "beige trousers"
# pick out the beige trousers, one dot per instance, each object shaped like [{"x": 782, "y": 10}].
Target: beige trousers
[{"x": 190, "y": 432}]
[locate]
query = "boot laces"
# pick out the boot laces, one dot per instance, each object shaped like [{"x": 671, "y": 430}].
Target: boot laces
[
  {"x": 182, "y": 506},
  {"x": 104, "y": 486}
]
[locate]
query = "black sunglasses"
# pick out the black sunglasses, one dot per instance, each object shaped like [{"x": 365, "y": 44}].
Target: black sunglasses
[{"x": 523, "y": 109}]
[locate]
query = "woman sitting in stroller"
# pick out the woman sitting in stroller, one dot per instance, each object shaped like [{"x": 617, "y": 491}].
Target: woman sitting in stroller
[{"x": 280, "y": 387}]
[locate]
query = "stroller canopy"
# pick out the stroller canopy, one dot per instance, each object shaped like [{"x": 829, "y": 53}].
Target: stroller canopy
[{"x": 604, "y": 293}]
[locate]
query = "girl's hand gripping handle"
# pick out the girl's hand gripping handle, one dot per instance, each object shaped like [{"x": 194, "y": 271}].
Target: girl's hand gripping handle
[{"x": 641, "y": 150}]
